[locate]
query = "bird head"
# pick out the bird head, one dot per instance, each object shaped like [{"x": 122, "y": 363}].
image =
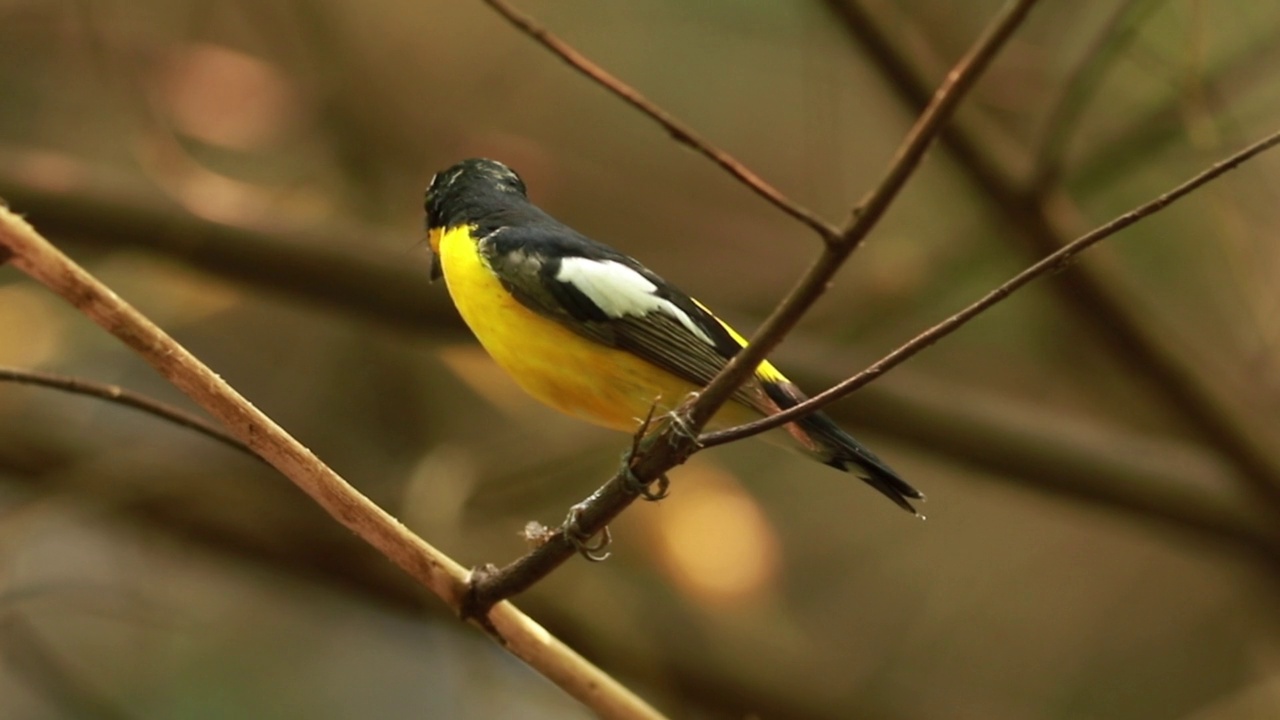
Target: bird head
[{"x": 464, "y": 194}]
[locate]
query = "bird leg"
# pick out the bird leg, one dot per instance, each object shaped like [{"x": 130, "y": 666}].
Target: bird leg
[
  {"x": 680, "y": 419},
  {"x": 630, "y": 482}
]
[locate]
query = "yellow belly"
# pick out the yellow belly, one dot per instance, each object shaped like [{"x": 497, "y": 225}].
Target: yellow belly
[{"x": 590, "y": 381}]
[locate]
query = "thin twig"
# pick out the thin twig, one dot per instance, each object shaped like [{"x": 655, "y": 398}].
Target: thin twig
[
  {"x": 437, "y": 572},
  {"x": 1089, "y": 295},
  {"x": 128, "y": 398},
  {"x": 273, "y": 262},
  {"x": 678, "y": 130},
  {"x": 270, "y": 260},
  {"x": 865, "y": 216},
  {"x": 1050, "y": 264},
  {"x": 671, "y": 444}
]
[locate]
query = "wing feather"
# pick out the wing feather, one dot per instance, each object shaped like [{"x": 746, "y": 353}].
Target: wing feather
[{"x": 611, "y": 299}]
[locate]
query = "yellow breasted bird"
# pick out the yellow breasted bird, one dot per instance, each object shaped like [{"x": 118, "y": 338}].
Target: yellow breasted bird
[{"x": 592, "y": 332}]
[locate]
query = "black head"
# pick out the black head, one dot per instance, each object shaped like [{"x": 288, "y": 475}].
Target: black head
[{"x": 466, "y": 191}]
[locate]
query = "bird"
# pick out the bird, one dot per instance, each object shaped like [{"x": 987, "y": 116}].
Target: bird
[{"x": 591, "y": 332}]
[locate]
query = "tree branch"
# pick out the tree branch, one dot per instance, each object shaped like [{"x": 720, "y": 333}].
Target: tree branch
[
  {"x": 1084, "y": 290},
  {"x": 673, "y": 441},
  {"x": 516, "y": 632},
  {"x": 300, "y": 268},
  {"x": 678, "y": 130},
  {"x": 865, "y": 216},
  {"x": 128, "y": 398},
  {"x": 1054, "y": 262}
]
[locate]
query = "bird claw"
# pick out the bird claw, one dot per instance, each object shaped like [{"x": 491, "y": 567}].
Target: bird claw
[
  {"x": 646, "y": 491},
  {"x": 630, "y": 482},
  {"x": 680, "y": 420},
  {"x": 582, "y": 541}
]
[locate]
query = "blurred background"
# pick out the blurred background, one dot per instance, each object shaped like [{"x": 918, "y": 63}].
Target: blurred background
[{"x": 1100, "y": 452}]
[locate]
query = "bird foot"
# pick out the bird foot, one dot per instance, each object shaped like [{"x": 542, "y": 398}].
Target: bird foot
[{"x": 582, "y": 541}]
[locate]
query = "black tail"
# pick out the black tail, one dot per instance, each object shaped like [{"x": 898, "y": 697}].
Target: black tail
[
  {"x": 844, "y": 453},
  {"x": 821, "y": 437}
]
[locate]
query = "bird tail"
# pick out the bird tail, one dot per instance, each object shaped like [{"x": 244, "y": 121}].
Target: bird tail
[{"x": 820, "y": 437}]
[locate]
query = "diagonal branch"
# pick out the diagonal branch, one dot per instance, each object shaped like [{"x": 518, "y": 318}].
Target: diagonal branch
[
  {"x": 865, "y": 216},
  {"x": 128, "y": 398},
  {"x": 1055, "y": 262},
  {"x": 677, "y": 129},
  {"x": 1084, "y": 290},
  {"x": 275, "y": 261},
  {"x": 1028, "y": 451},
  {"x": 674, "y": 442},
  {"x": 26, "y": 250}
]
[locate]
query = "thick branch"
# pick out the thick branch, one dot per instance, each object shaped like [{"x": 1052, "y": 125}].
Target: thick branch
[
  {"x": 268, "y": 261},
  {"x": 516, "y": 632}
]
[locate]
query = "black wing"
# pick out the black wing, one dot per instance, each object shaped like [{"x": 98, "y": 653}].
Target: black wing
[{"x": 529, "y": 258}]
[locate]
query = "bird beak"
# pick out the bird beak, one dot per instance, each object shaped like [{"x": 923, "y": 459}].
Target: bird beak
[{"x": 433, "y": 240}]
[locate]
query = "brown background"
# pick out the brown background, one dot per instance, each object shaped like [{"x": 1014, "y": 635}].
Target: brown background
[{"x": 250, "y": 175}]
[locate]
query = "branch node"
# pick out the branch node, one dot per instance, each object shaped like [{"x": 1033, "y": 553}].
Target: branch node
[{"x": 471, "y": 608}]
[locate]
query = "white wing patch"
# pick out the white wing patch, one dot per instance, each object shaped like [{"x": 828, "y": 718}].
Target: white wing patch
[{"x": 619, "y": 291}]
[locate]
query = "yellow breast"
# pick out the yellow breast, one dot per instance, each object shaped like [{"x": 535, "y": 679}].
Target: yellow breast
[{"x": 583, "y": 378}]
